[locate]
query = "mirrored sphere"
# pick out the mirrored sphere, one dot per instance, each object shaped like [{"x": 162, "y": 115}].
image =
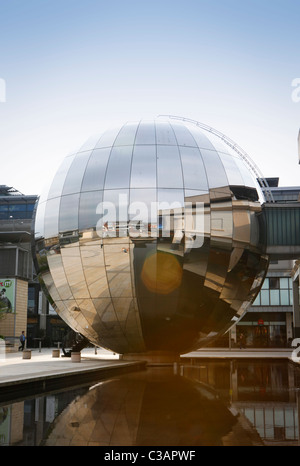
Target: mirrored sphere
[{"x": 148, "y": 238}]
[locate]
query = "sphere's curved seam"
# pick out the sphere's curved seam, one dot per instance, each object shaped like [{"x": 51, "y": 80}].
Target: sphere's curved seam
[
  {"x": 132, "y": 274},
  {"x": 104, "y": 257}
]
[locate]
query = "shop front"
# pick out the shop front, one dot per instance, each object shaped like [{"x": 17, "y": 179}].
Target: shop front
[{"x": 263, "y": 330}]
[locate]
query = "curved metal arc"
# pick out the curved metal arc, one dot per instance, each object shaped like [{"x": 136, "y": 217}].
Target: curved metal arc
[{"x": 254, "y": 168}]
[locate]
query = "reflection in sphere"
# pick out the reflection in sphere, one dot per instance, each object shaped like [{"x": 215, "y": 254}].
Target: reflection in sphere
[{"x": 148, "y": 238}]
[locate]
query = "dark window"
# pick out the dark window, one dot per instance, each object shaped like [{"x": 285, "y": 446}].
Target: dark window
[
  {"x": 31, "y": 306},
  {"x": 274, "y": 283}
]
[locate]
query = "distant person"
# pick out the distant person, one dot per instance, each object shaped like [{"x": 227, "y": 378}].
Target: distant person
[
  {"x": 22, "y": 341},
  {"x": 242, "y": 341}
]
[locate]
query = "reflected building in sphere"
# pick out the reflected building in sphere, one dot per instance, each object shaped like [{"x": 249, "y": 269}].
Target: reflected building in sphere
[{"x": 148, "y": 240}]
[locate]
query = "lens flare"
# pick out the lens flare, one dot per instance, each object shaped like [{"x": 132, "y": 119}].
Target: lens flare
[{"x": 162, "y": 273}]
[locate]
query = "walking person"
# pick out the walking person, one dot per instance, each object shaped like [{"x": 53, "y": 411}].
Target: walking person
[{"x": 22, "y": 341}]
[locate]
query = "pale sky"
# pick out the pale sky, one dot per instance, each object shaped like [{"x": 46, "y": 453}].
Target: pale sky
[{"x": 72, "y": 68}]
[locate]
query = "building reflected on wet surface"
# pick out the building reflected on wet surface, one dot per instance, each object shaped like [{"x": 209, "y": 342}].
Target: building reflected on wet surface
[{"x": 206, "y": 403}]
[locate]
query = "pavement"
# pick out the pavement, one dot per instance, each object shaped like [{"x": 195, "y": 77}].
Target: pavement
[
  {"x": 236, "y": 353},
  {"x": 43, "y": 372}
]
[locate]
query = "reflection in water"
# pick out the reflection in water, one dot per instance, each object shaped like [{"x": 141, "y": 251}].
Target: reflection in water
[
  {"x": 144, "y": 409},
  {"x": 208, "y": 403}
]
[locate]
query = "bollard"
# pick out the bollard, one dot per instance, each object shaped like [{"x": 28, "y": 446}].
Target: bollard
[
  {"x": 55, "y": 353},
  {"x": 175, "y": 368},
  {"x": 26, "y": 354},
  {"x": 75, "y": 356}
]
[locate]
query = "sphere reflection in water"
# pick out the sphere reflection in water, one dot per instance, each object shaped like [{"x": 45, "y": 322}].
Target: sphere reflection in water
[
  {"x": 144, "y": 410},
  {"x": 149, "y": 238}
]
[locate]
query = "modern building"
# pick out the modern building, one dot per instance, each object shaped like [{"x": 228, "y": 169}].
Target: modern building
[
  {"x": 269, "y": 322},
  {"x": 296, "y": 280},
  {"x": 23, "y": 307}
]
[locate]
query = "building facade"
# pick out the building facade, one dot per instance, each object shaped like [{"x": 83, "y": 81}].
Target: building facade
[
  {"x": 270, "y": 321},
  {"x": 23, "y": 307}
]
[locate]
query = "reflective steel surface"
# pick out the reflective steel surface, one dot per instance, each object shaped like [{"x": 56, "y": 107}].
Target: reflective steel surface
[
  {"x": 148, "y": 238},
  {"x": 224, "y": 403}
]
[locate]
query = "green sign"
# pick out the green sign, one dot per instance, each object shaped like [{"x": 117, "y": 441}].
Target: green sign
[{"x": 7, "y": 295}]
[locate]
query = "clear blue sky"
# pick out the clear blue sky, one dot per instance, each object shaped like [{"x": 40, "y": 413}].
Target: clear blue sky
[{"x": 75, "y": 67}]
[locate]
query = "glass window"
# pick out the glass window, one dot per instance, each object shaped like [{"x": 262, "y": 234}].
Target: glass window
[
  {"x": 165, "y": 134},
  {"x": 145, "y": 133},
  {"x": 274, "y": 297},
  {"x": 284, "y": 298},
  {"x": 265, "y": 284},
  {"x": 183, "y": 135},
  {"x": 17, "y": 207},
  {"x": 143, "y": 170},
  {"x": 264, "y": 298},
  {"x": 289, "y": 423},
  {"x": 214, "y": 169},
  {"x": 118, "y": 169},
  {"x": 31, "y": 300},
  {"x": 59, "y": 179},
  {"x": 194, "y": 174},
  {"x": 51, "y": 217},
  {"x": 18, "y": 211},
  {"x": 68, "y": 213},
  {"x": 127, "y": 135},
  {"x": 257, "y": 301},
  {"x": 274, "y": 283},
  {"x": 278, "y": 417},
  {"x": 169, "y": 171},
  {"x": 284, "y": 283},
  {"x": 3, "y": 212},
  {"x": 88, "y": 216},
  {"x": 76, "y": 171},
  {"x": 93, "y": 178},
  {"x": 269, "y": 423},
  {"x": 259, "y": 421}
]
